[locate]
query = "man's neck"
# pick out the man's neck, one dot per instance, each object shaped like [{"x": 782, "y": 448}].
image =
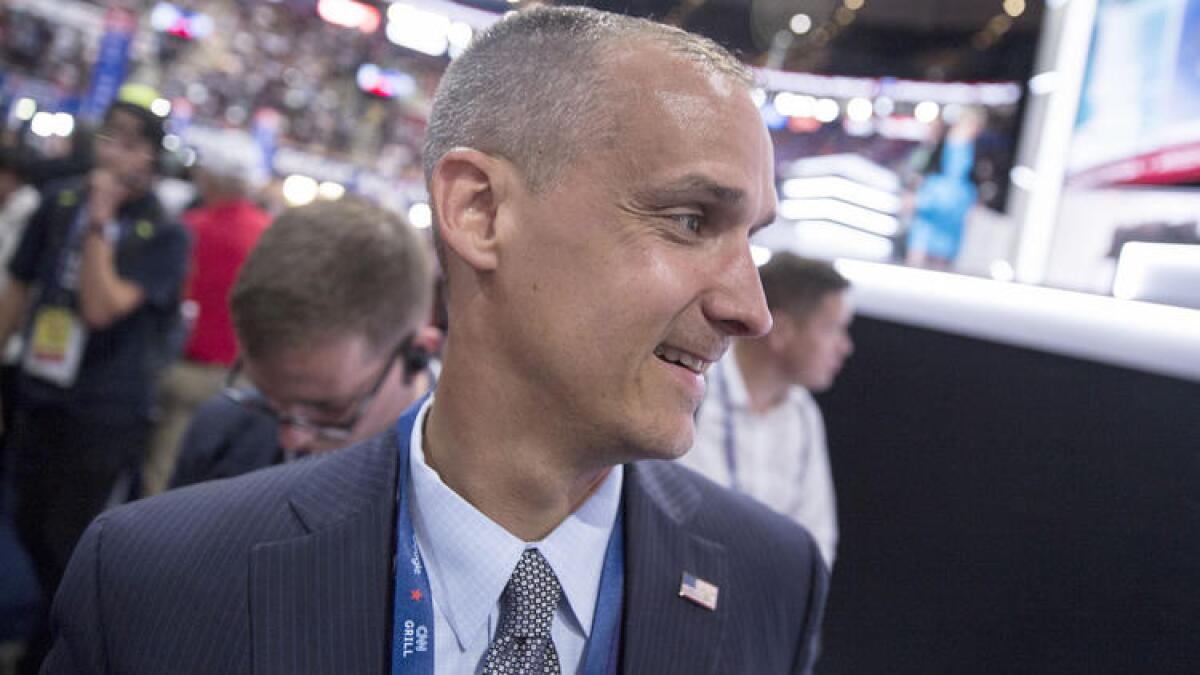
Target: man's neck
[
  {"x": 765, "y": 388},
  {"x": 500, "y": 461}
]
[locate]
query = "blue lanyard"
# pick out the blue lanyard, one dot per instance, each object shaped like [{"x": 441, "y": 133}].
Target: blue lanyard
[
  {"x": 727, "y": 419},
  {"x": 413, "y": 625},
  {"x": 65, "y": 273}
]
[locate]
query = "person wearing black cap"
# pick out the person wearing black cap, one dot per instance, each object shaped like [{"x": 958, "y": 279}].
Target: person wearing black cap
[{"x": 95, "y": 286}]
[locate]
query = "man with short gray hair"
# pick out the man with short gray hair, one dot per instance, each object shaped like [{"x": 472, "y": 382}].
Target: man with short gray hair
[
  {"x": 595, "y": 236},
  {"x": 225, "y": 226}
]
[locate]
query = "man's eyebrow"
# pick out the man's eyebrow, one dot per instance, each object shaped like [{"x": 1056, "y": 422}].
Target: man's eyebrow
[{"x": 692, "y": 185}]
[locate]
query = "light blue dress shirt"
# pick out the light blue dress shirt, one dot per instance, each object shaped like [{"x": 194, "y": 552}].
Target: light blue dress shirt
[{"x": 469, "y": 559}]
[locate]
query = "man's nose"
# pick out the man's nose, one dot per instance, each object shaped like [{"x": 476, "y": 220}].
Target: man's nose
[{"x": 737, "y": 303}]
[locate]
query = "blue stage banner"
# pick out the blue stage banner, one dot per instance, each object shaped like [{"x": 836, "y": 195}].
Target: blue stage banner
[{"x": 120, "y": 25}]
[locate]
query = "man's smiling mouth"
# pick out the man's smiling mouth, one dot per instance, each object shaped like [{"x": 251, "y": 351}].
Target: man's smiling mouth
[{"x": 681, "y": 358}]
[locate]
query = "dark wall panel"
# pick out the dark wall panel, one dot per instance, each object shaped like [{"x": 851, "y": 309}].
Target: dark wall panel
[{"x": 1004, "y": 510}]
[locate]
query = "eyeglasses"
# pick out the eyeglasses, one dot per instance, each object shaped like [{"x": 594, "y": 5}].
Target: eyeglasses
[{"x": 252, "y": 399}]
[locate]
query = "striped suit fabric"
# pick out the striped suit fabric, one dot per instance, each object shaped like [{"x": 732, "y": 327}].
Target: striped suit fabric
[{"x": 289, "y": 571}]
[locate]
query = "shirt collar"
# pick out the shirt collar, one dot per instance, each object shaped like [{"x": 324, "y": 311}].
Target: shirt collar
[{"x": 470, "y": 557}]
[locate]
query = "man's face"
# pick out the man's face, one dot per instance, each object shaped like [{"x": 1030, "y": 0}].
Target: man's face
[
  {"x": 122, "y": 149},
  {"x": 326, "y": 384},
  {"x": 629, "y": 276},
  {"x": 811, "y": 349}
]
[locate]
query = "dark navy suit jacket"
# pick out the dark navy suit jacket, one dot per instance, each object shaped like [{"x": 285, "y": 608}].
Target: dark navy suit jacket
[{"x": 289, "y": 570}]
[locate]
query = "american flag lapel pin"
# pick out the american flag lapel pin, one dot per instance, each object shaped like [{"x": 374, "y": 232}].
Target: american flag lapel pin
[{"x": 699, "y": 591}]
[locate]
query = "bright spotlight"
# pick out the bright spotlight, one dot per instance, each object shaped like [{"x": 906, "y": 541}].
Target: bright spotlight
[
  {"x": 330, "y": 190},
  {"x": 420, "y": 215},
  {"x": 161, "y": 107},
  {"x": 859, "y": 109},
  {"x": 1014, "y": 8},
  {"x": 795, "y": 105},
  {"x": 418, "y": 29},
  {"x": 64, "y": 124},
  {"x": 827, "y": 110},
  {"x": 299, "y": 190},
  {"x": 25, "y": 109},
  {"x": 42, "y": 124},
  {"x": 800, "y": 24},
  {"x": 927, "y": 112}
]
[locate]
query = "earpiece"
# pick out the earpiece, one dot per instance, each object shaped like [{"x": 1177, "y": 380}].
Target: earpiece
[{"x": 416, "y": 359}]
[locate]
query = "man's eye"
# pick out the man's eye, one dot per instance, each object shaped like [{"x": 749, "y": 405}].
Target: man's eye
[{"x": 690, "y": 221}]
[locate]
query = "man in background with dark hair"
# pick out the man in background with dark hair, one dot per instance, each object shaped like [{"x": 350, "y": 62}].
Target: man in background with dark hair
[
  {"x": 331, "y": 310},
  {"x": 95, "y": 285},
  {"x": 595, "y": 180},
  {"x": 759, "y": 431}
]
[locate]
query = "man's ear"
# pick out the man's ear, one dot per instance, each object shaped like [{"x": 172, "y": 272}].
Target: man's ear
[{"x": 466, "y": 189}]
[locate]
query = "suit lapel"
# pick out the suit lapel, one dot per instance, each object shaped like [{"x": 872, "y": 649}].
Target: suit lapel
[
  {"x": 319, "y": 602},
  {"x": 661, "y": 631}
]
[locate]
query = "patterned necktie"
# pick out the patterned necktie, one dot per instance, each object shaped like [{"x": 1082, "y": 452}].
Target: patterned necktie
[{"x": 522, "y": 642}]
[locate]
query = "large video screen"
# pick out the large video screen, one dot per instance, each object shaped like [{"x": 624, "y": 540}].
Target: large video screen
[{"x": 1139, "y": 110}]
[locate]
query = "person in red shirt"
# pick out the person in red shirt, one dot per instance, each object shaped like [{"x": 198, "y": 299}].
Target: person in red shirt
[{"x": 224, "y": 228}]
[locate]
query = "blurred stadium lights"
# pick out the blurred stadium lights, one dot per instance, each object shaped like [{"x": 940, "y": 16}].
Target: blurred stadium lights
[
  {"x": 855, "y": 167},
  {"x": 180, "y": 22},
  {"x": 825, "y": 239},
  {"x": 840, "y": 212},
  {"x": 418, "y": 29},
  {"x": 420, "y": 215},
  {"x": 161, "y": 107},
  {"x": 842, "y": 188},
  {"x": 906, "y": 91},
  {"x": 795, "y": 105},
  {"x": 927, "y": 111},
  {"x": 47, "y": 124},
  {"x": 435, "y": 27},
  {"x": 385, "y": 83},
  {"x": 331, "y": 191},
  {"x": 827, "y": 110},
  {"x": 299, "y": 190},
  {"x": 64, "y": 124},
  {"x": 25, "y": 109},
  {"x": 860, "y": 109},
  {"x": 349, "y": 14},
  {"x": 800, "y": 24}
]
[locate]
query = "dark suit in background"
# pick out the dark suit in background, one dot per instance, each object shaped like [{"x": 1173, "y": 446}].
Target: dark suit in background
[
  {"x": 288, "y": 571},
  {"x": 225, "y": 440}
]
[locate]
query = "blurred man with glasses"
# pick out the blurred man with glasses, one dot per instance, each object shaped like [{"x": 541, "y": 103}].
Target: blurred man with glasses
[{"x": 329, "y": 311}]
